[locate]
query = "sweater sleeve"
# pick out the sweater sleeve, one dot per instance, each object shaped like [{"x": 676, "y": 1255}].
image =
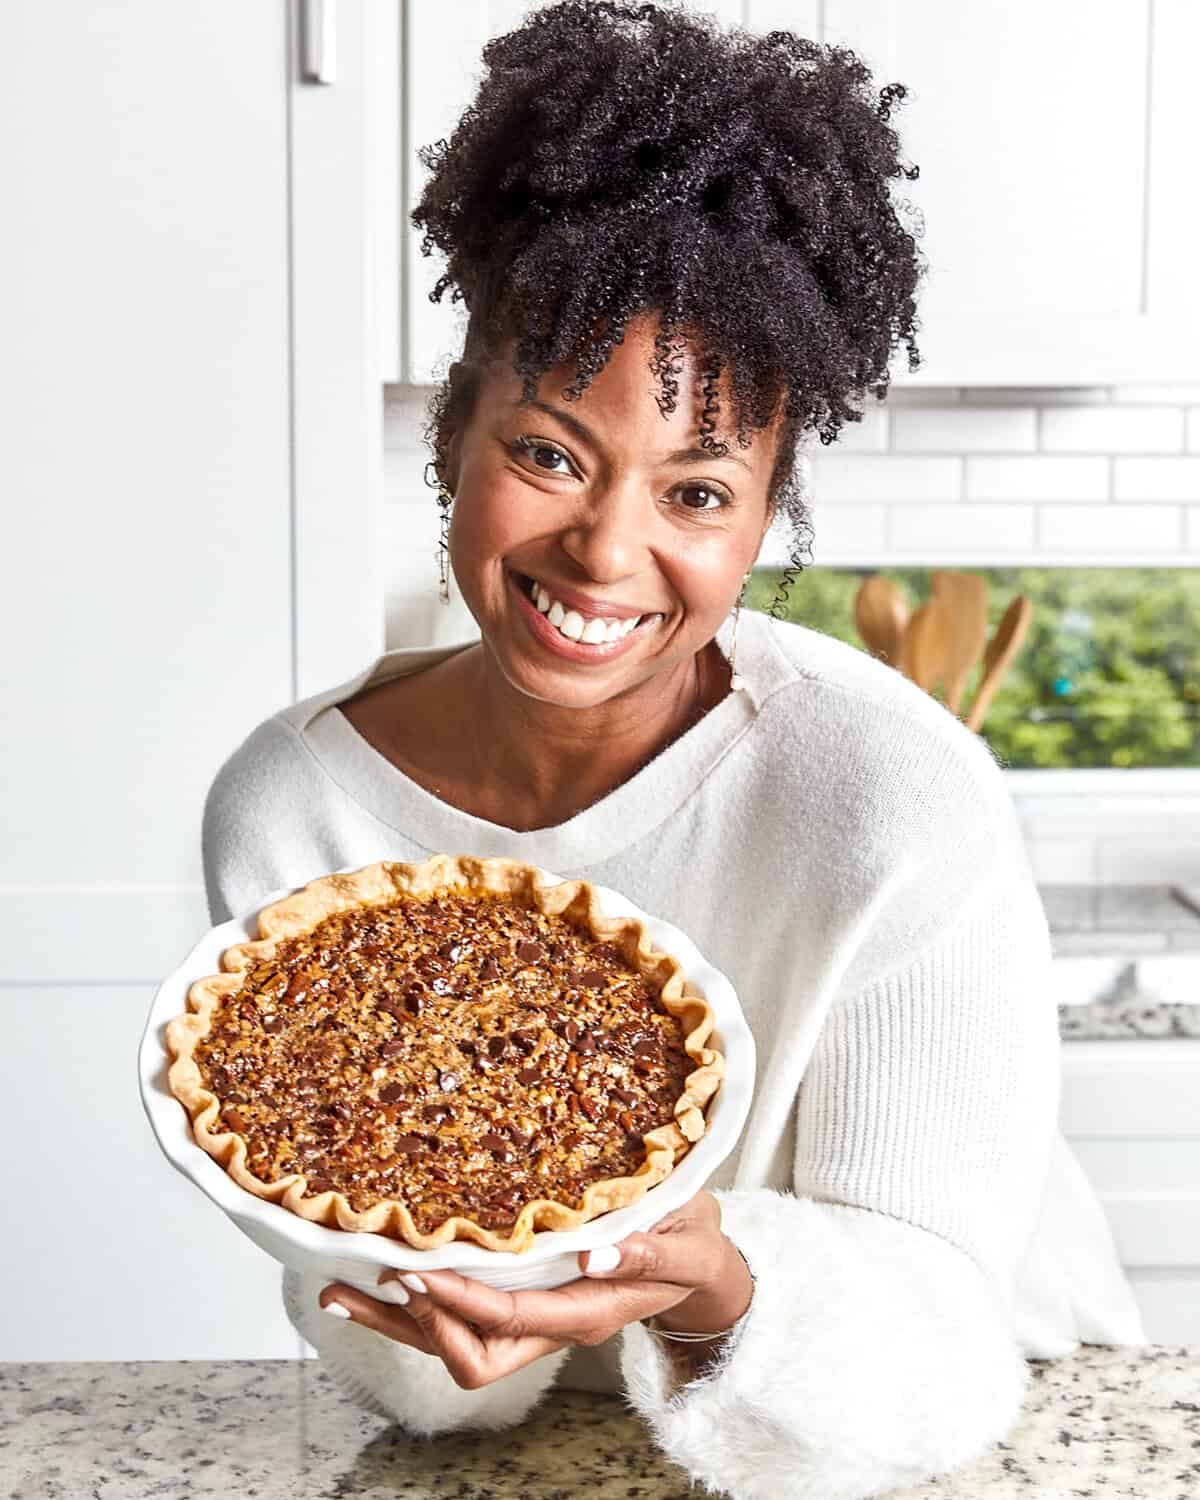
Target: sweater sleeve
[{"x": 877, "y": 1351}]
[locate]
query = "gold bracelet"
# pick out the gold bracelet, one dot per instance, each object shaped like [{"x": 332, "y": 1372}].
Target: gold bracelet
[{"x": 703, "y": 1338}]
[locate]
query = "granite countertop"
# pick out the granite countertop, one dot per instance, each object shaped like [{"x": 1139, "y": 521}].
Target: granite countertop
[{"x": 1101, "y": 1422}]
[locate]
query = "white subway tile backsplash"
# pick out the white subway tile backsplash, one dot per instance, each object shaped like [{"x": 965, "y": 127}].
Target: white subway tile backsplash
[
  {"x": 855, "y": 480},
  {"x": 868, "y": 436},
  {"x": 1156, "y": 479},
  {"x": 845, "y": 535},
  {"x": 1112, "y": 429},
  {"x": 1123, "y": 530},
  {"x": 1041, "y": 477},
  {"x": 1148, "y": 861},
  {"x": 981, "y": 529},
  {"x": 1062, "y": 861},
  {"x": 1099, "y": 483},
  {"x": 962, "y": 428}
]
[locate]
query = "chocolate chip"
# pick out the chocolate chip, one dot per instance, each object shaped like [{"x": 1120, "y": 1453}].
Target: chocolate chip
[
  {"x": 394, "y": 1047},
  {"x": 449, "y": 1082},
  {"x": 640, "y": 1065},
  {"x": 497, "y": 1045},
  {"x": 453, "y": 951},
  {"x": 234, "y": 1120},
  {"x": 392, "y": 1092},
  {"x": 586, "y": 1043},
  {"x": 529, "y": 1075},
  {"x": 273, "y": 1024},
  {"x": 523, "y": 1040},
  {"x": 569, "y": 1030},
  {"x": 409, "y": 1144},
  {"x": 414, "y": 1002},
  {"x": 489, "y": 969},
  {"x": 529, "y": 953},
  {"x": 341, "y": 1110},
  {"x": 437, "y": 1113},
  {"x": 592, "y": 979}
]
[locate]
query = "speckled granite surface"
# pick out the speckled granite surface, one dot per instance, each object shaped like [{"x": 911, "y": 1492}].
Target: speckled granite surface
[{"x": 1102, "y": 1423}]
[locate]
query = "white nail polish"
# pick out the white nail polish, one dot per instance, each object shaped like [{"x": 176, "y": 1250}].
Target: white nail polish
[
  {"x": 606, "y": 1258},
  {"x": 391, "y": 1291},
  {"x": 413, "y": 1281},
  {"x": 337, "y": 1309}
]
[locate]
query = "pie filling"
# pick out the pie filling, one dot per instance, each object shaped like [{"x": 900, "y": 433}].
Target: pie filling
[{"x": 460, "y": 1053}]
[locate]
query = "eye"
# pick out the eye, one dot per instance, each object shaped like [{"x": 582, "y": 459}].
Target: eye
[
  {"x": 708, "y": 492},
  {"x": 532, "y": 446}
]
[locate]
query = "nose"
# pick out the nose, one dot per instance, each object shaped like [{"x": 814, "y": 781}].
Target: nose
[{"x": 609, "y": 538}]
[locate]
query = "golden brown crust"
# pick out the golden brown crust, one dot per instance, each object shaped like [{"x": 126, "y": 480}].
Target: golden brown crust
[{"x": 383, "y": 883}]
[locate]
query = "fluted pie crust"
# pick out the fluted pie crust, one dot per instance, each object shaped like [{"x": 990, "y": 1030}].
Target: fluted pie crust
[{"x": 445, "y": 879}]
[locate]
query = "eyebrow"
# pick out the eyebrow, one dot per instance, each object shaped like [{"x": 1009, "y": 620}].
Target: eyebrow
[{"x": 682, "y": 455}]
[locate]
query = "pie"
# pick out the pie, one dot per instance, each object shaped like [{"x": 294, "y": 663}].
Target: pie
[{"x": 456, "y": 1050}]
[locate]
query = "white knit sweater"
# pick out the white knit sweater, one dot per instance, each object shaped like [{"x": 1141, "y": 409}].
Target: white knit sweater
[{"x": 848, "y": 853}]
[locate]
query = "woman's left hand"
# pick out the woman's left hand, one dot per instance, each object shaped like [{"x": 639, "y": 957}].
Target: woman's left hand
[{"x": 482, "y": 1334}]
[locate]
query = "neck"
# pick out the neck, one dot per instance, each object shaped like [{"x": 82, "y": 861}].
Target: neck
[{"x": 543, "y": 762}]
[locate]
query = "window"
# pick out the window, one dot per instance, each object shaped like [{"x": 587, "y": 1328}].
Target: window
[{"x": 1108, "y": 676}]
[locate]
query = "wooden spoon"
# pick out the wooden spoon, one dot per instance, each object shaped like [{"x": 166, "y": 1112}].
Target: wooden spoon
[
  {"x": 925, "y": 647},
  {"x": 1002, "y": 648},
  {"x": 965, "y": 598},
  {"x": 881, "y": 615}
]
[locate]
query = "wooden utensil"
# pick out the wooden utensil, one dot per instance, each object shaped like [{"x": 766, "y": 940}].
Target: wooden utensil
[
  {"x": 964, "y": 596},
  {"x": 1001, "y": 649},
  {"x": 925, "y": 646},
  {"x": 881, "y": 616}
]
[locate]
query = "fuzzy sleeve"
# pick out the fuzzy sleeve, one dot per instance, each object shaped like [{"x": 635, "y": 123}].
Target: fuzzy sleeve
[{"x": 878, "y": 1350}]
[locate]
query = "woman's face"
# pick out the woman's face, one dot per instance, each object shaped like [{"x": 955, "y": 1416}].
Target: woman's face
[{"x": 604, "y": 508}]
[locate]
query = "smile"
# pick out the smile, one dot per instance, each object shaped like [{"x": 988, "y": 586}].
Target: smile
[{"x": 571, "y": 632}]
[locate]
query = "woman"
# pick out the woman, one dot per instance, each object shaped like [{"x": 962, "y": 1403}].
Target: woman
[{"x": 680, "y": 255}]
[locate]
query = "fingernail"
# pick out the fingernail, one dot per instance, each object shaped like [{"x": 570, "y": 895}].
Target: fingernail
[
  {"x": 337, "y": 1309},
  {"x": 607, "y": 1258},
  {"x": 392, "y": 1291},
  {"x": 413, "y": 1281}
]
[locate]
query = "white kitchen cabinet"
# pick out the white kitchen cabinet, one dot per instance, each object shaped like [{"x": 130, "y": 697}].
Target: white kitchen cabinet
[
  {"x": 1131, "y": 1112},
  {"x": 1056, "y": 144},
  {"x": 190, "y": 458}
]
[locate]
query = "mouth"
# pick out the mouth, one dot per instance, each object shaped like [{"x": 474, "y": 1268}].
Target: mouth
[{"x": 571, "y": 632}]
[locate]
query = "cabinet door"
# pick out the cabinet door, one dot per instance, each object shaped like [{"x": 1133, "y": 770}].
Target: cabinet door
[
  {"x": 1054, "y": 143},
  {"x": 146, "y": 620}
]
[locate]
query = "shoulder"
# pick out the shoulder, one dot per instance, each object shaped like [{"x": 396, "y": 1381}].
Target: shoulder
[{"x": 845, "y": 726}]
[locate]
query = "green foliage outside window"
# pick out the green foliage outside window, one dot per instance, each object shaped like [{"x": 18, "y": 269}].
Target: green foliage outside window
[{"x": 1109, "y": 674}]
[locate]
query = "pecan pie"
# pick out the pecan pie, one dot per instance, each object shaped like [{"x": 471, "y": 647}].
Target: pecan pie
[{"x": 459, "y": 1049}]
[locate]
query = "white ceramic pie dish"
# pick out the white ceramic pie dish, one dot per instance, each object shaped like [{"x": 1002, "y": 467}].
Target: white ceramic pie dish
[{"x": 356, "y": 1258}]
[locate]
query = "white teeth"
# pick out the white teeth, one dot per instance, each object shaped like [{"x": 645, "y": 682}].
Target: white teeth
[
  {"x": 594, "y": 632},
  {"x": 577, "y": 627}
]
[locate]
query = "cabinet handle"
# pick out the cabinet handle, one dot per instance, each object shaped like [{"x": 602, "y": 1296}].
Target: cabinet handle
[{"x": 318, "y": 40}]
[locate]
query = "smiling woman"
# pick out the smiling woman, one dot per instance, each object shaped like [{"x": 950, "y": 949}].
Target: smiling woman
[{"x": 680, "y": 253}]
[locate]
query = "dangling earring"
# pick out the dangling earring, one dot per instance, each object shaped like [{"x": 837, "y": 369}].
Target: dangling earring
[
  {"x": 735, "y": 682},
  {"x": 444, "y": 500}
]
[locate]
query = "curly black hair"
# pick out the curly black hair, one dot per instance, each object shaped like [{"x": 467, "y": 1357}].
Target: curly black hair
[{"x": 621, "y": 158}]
